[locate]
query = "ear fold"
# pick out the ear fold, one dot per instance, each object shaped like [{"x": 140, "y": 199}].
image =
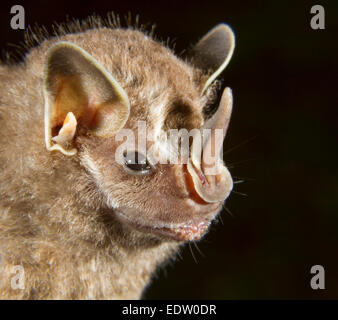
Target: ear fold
[
  {"x": 79, "y": 91},
  {"x": 214, "y": 51}
]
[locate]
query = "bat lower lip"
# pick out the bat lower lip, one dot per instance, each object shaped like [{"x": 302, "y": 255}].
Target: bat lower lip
[{"x": 190, "y": 231}]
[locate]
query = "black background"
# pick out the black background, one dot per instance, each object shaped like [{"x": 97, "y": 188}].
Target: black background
[{"x": 282, "y": 141}]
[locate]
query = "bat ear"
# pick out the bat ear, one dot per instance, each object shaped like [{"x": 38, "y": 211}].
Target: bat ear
[
  {"x": 213, "y": 52},
  {"x": 78, "y": 91}
]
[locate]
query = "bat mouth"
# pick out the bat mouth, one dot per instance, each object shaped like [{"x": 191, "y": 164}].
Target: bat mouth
[{"x": 190, "y": 231}]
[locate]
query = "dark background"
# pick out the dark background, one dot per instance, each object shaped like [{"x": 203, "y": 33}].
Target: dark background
[{"x": 282, "y": 142}]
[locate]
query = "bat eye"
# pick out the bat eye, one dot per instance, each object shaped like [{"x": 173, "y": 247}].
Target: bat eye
[{"x": 136, "y": 163}]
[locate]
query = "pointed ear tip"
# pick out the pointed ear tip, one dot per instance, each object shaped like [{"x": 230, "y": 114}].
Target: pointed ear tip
[
  {"x": 55, "y": 46},
  {"x": 53, "y": 49},
  {"x": 227, "y": 29},
  {"x": 63, "y": 43}
]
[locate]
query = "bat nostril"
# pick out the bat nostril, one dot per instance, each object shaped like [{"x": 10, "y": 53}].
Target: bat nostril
[
  {"x": 189, "y": 183},
  {"x": 207, "y": 188}
]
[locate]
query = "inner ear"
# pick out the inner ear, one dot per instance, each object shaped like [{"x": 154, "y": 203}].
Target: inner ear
[
  {"x": 79, "y": 91},
  {"x": 213, "y": 52}
]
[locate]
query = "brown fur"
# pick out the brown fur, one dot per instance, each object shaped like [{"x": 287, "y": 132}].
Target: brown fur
[{"x": 56, "y": 214}]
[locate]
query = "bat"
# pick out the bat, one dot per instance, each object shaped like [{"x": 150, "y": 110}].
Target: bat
[{"x": 90, "y": 202}]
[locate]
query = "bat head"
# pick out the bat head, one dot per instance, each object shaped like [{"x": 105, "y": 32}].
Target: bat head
[{"x": 134, "y": 116}]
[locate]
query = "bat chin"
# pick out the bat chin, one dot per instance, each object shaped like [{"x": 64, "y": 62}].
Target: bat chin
[{"x": 190, "y": 231}]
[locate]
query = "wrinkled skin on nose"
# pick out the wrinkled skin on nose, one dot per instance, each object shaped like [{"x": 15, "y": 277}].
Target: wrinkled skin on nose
[{"x": 208, "y": 176}]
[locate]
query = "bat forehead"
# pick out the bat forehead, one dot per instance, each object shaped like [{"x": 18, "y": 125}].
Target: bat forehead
[
  {"x": 163, "y": 90},
  {"x": 132, "y": 57},
  {"x": 155, "y": 80}
]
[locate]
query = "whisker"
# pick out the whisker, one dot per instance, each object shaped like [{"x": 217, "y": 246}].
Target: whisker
[
  {"x": 228, "y": 211},
  {"x": 179, "y": 255},
  {"x": 240, "y": 193},
  {"x": 192, "y": 253},
  {"x": 239, "y": 181},
  {"x": 231, "y": 165},
  {"x": 241, "y": 144},
  {"x": 220, "y": 219},
  {"x": 198, "y": 249},
  {"x": 243, "y": 178}
]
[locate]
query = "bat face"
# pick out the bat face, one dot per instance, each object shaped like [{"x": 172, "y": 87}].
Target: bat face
[{"x": 132, "y": 115}]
